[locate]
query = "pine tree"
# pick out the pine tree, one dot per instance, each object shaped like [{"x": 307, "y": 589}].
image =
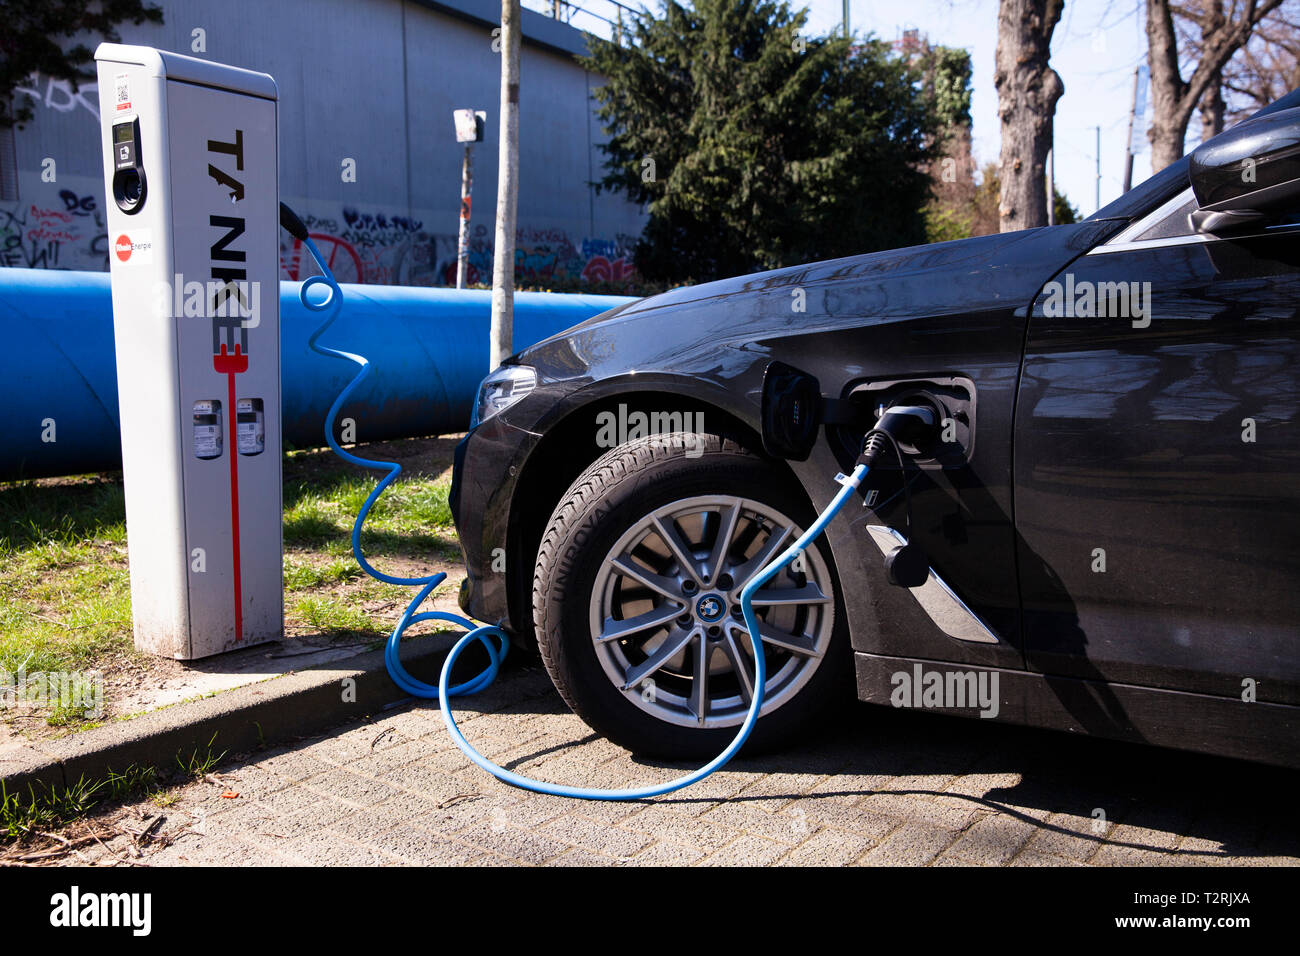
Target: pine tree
[{"x": 755, "y": 147}]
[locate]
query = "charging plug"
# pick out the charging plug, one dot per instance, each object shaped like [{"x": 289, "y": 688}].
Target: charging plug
[{"x": 914, "y": 425}]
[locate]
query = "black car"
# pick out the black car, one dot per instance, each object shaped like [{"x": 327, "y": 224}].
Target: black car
[{"x": 1109, "y": 519}]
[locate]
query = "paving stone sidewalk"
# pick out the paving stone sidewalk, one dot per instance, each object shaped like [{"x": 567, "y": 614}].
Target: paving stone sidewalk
[{"x": 878, "y": 787}]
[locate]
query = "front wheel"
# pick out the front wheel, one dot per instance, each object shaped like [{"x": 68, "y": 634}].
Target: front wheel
[{"x": 636, "y": 599}]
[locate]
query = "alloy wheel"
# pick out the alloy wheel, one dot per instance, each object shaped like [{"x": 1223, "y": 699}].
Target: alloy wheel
[{"x": 665, "y": 611}]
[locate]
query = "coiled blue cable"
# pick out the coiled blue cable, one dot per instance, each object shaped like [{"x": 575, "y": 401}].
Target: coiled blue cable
[
  {"x": 392, "y": 660},
  {"x": 486, "y": 633}
]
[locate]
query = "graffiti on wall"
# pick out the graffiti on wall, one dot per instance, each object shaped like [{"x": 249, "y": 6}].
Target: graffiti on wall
[
  {"x": 56, "y": 227},
  {"x": 68, "y": 233},
  {"x": 58, "y": 95},
  {"x": 374, "y": 247},
  {"x": 65, "y": 228},
  {"x": 607, "y": 261}
]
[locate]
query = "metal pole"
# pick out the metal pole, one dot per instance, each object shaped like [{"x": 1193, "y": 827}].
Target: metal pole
[
  {"x": 1051, "y": 187},
  {"x": 846, "y": 19},
  {"x": 1132, "y": 120},
  {"x": 1098, "y": 197},
  {"x": 462, "y": 243},
  {"x": 503, "y": 253}
]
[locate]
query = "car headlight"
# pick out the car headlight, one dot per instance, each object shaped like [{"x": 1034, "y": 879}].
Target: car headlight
[{"x": 501, "y": 389}]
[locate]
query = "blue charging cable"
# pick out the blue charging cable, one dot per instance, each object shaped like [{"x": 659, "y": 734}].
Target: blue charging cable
[
  {"x": 392, "y": 660},
  {"x": 493, "y": 638}
]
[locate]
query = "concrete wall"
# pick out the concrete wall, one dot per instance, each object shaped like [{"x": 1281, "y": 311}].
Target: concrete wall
[{"x": 373, "y": 81}]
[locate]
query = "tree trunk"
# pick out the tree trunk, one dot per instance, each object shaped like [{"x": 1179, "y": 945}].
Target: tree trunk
[
  {"x": 1212, "y": 106},
  {"x": 1028, "y": 89},
  {"x": 503, "y": 253},
  {"x": 1212, "y": 109},
  {"x": 1168, "y": 115},
  {"x": 1173, "y": 99}
]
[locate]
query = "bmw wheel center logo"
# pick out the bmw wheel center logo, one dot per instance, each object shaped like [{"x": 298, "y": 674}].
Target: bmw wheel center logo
[{"x": 710, "y": 608}]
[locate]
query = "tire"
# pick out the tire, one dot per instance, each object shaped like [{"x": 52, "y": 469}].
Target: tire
[{"x": 606, "y": 567}]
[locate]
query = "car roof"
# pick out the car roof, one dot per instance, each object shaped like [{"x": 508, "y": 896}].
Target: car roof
[{"x": 1171, "y": 180}]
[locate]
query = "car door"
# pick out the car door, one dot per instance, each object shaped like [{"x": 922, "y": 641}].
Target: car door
[{"x": 1157, "y": 502}]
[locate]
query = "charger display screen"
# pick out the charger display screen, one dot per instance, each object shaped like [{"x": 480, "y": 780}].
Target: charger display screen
[{"x": 124, "y": 145}]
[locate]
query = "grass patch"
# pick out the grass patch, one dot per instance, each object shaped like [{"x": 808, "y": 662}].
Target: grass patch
[
  {"x": 304, "y": 576},
  {"x": 200, "y": 761},
  {"x": 65, "y": 602},
  {"x": 322, "y": 496},
  {"x": 338, "y": 616},
  {"x": 21, "y": 816},
  {"x": 411, "y": 517},
  {"x": 35, "y": 514}
]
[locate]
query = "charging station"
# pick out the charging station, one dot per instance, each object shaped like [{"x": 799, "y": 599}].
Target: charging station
[{"x": 192, "y": 180}]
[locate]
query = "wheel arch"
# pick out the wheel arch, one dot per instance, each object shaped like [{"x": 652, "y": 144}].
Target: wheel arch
[{"x": 567, "y": 447}]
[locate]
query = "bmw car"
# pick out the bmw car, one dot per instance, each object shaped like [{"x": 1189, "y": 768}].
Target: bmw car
[{"x": 1107, "y": 519}]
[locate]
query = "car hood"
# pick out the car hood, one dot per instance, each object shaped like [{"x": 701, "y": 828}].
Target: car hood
[{"x": 949, "y": 278}]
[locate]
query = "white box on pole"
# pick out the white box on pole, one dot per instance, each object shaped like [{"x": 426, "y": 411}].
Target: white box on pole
[{"x": 192, "y": 178}]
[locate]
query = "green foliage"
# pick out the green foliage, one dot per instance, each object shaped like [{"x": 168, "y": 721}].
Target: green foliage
[
  {"x": 300, "y": 576},
  {"x": 754, "y": 147},
  {"x": 943, "y": 223},
  {"x": 21, "y": 816},
  {"x": 947, "y": 71},
  {"x": 413, "y": 514},
  {"x": 30, "y": 42},
  {"x": 1065, "y": 213},
  {"x": 339, "y": 617},
  {"x": 34, "y": 515}
]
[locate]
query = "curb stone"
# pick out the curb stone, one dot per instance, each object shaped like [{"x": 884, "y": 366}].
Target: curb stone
[{"x": 271, "y": 712}]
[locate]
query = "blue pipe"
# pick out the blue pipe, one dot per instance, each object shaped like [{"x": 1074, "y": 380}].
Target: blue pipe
[
  {"x": 493, "y": 638},
  {"x": 430, "y": 344}
]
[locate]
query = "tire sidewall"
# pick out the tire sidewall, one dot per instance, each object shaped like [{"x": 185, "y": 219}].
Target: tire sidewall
[{"x": 621, "y": 488}]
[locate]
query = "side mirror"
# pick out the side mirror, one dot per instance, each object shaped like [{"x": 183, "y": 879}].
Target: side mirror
[{"x": 1247, "y": 175}]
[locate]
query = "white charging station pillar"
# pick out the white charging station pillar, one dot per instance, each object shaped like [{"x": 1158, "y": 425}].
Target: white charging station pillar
[{"x": 190, "y": 166}]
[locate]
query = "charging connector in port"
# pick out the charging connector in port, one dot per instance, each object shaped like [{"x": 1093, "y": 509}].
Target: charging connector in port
[
  {"x": 912, "y": 428},
  {"x": 916, "y": 427},
  {"x": 949, "y": 446}
]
